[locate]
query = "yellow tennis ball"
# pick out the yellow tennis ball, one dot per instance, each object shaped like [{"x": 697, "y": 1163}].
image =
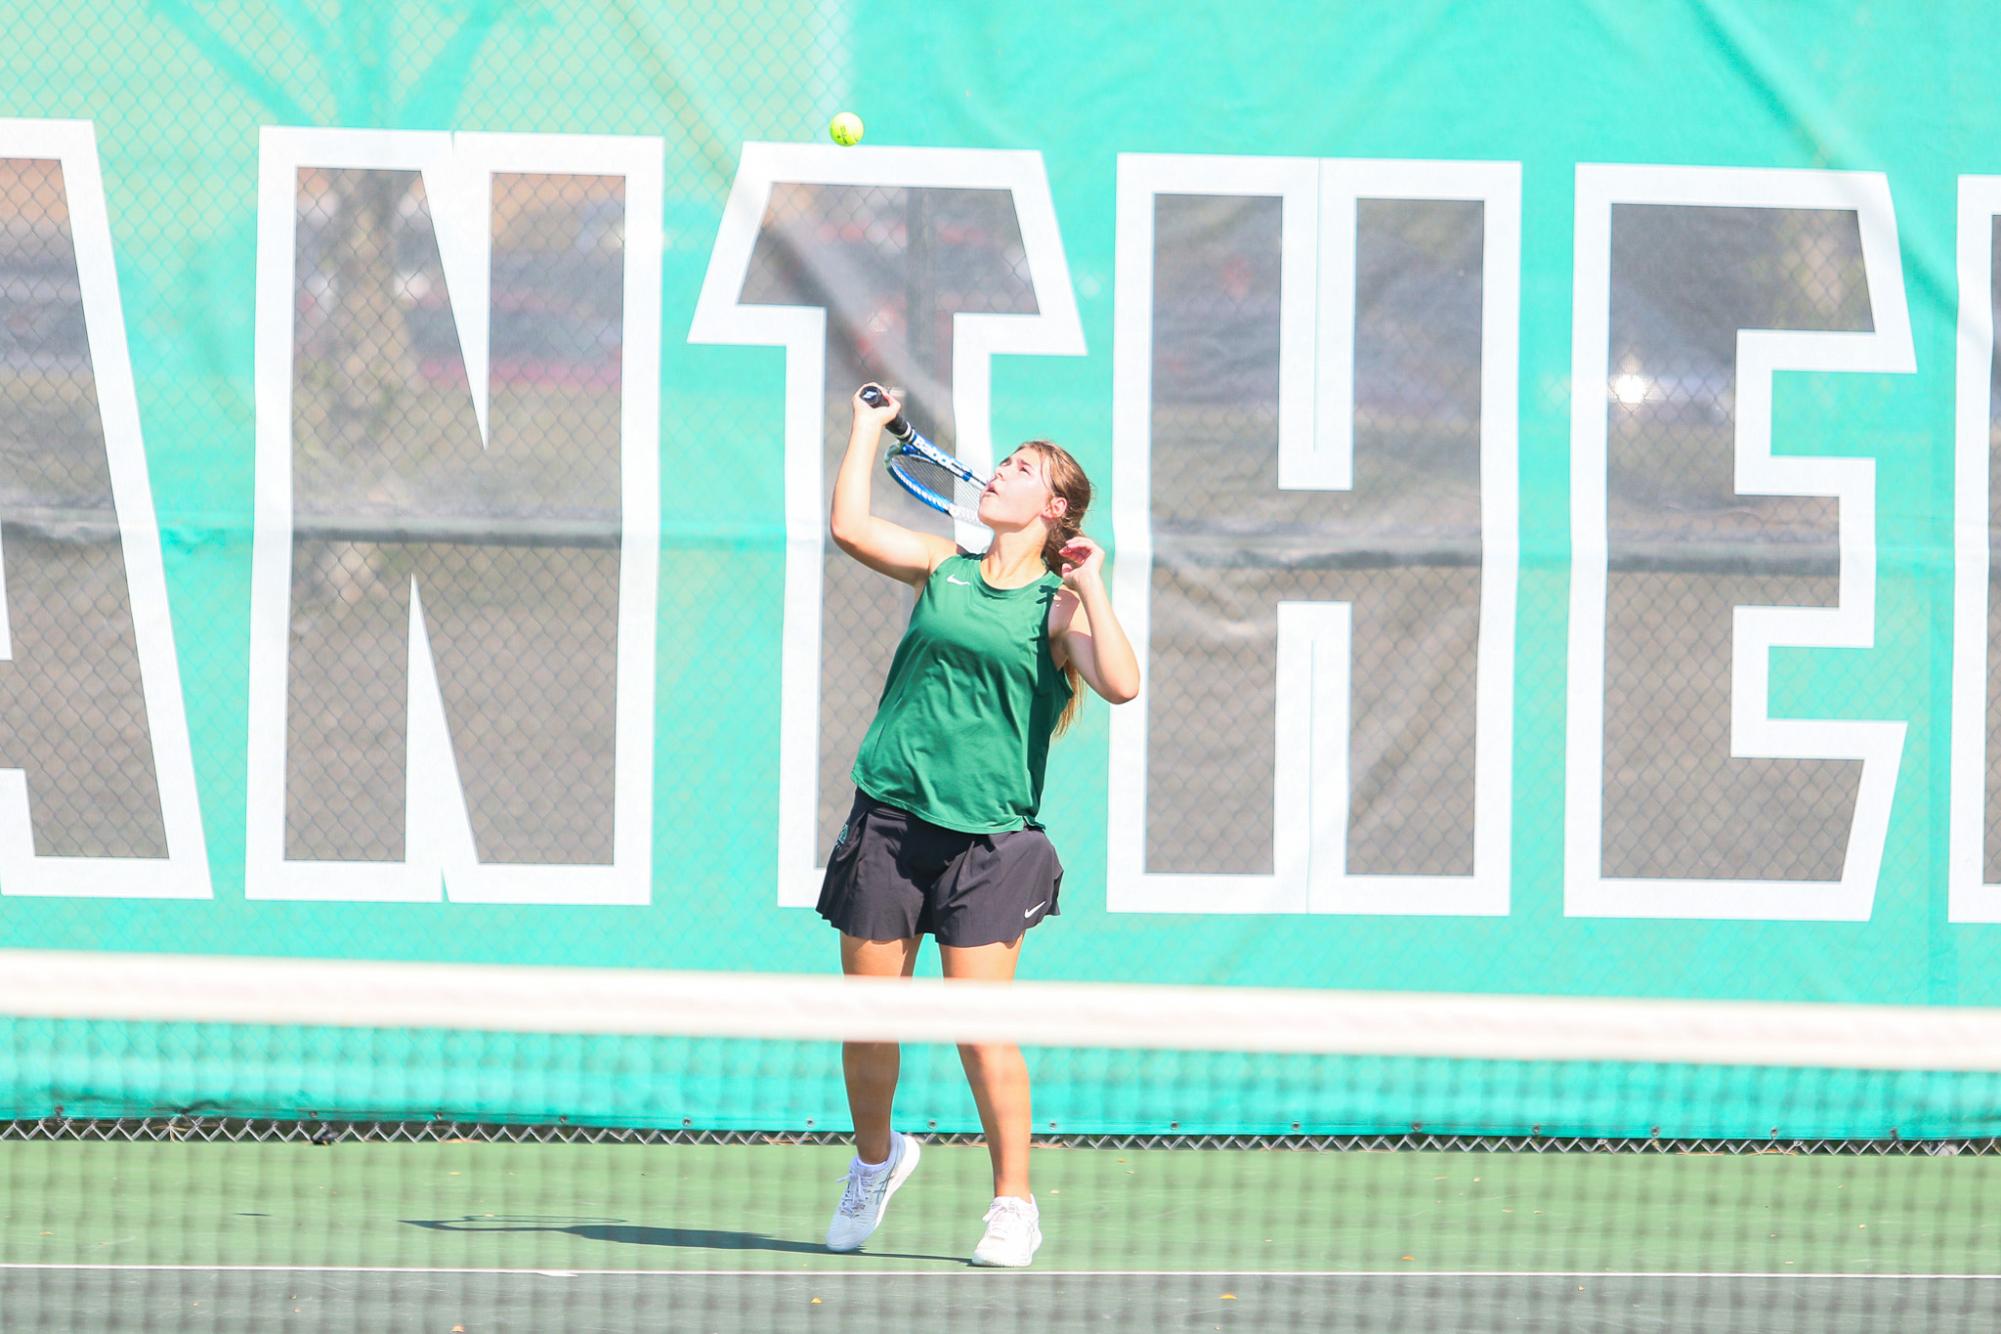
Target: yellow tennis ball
[{"x": 846, "y": 129}]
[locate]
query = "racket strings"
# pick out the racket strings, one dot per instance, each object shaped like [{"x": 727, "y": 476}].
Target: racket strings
[{"x": 941, "y": 481}]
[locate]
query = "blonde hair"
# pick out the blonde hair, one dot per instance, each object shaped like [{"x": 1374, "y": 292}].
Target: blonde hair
[{"x": 1067, "y": 480}]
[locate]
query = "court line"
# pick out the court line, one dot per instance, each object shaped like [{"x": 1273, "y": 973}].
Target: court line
[{"x": 1047, "y": 1273}]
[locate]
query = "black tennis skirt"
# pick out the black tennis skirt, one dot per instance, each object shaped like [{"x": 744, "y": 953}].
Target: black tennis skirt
[{"x": 892, "y": 875}]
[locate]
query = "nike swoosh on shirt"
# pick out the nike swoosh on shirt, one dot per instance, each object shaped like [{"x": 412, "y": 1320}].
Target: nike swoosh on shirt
[
  {"x": 954, "y": 579},
  {"x": 1036, "y": 909}
]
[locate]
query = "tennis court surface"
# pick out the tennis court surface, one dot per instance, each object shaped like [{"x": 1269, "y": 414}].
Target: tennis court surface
[
  {"x": 329, "y": 1218},
  {"x": 534, "y": 1236}
]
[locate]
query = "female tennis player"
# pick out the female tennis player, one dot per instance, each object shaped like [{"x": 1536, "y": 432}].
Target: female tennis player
[{"x": 943, "y": 836}]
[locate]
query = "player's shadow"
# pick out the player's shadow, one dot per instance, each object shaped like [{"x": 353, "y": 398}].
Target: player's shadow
[{"x": 627, "y": 1234}]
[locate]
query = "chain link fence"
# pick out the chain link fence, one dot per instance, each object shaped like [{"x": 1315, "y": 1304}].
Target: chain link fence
[
  {"x": 1686, "y": 280},
  {"x": 519, "y": 592},
  {"x": 490, "y": 535},
  {"x": 1402, "y": 547},
  {"x": 72, "y": 707},
  {"x": 511, "y": 539},
  {"x": 206, "y": 1129}
]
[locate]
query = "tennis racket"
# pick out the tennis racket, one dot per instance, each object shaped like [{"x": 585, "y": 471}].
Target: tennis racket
[{"x": 926, "y": 471}]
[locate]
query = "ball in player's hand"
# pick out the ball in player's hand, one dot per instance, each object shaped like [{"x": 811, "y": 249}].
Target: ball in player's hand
[{"x": 846, "y": 129}]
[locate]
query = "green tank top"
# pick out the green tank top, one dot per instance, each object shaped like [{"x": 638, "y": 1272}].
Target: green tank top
[{"x": 961, "y": 735}]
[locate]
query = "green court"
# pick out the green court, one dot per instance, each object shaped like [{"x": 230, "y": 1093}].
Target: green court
[{"x": 481, "y": 1236}]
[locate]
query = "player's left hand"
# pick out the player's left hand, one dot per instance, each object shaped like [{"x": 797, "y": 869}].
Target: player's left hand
[{"x": 1083, "y": 562}]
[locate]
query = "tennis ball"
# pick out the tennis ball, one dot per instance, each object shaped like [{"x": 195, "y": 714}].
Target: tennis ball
[{"x": 846, "y": 129}]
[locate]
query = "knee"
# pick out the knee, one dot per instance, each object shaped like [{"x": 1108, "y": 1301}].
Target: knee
[{"x": 994, "y": 1056}]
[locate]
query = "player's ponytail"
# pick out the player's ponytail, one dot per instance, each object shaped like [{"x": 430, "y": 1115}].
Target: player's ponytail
[{"x": 1066, "y": 479}]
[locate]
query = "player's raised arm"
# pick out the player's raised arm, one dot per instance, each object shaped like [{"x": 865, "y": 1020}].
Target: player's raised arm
[
  {"x": 899, "y": 552},
  {"x": 1090, "y": 638}
]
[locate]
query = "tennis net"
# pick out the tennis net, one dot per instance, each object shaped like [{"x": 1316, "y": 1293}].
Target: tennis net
[{"x": 223, "y": 1143}]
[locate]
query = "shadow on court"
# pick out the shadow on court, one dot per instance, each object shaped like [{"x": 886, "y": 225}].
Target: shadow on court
[{"x": 628, "y": 1234}]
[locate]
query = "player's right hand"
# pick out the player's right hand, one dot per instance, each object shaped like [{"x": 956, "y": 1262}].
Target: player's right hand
[{"x": 867, "y": 414}]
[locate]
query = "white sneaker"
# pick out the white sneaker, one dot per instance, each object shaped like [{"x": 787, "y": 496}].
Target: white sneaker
[
  {"x": 866, "y": 1198},
  {"x": 1014, "y": 1230}
]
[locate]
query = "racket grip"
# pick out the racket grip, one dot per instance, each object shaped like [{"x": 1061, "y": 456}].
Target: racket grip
[{"x": 899, "y": 425}]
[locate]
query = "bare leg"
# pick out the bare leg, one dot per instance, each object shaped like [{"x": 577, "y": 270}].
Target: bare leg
[
  {"x": 996, "y": 1071},
  {"x": 871, "y": 1067}
]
